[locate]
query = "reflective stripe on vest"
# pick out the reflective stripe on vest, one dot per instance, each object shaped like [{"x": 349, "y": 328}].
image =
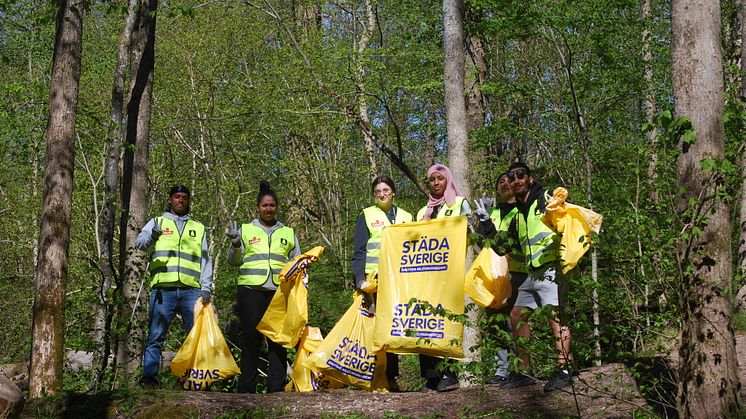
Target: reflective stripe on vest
[
  {"x": 538, "y": 242},
  {"x": 376, "y": 220},
  {"x": 445, "y": 209},
  {"x": 177, "y": 257},
  {"x": 264, "y": 253},
  {"x": 516, "y": 258}
]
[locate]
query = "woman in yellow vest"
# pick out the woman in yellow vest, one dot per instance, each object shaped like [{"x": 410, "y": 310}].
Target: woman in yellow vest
[
  {"x": 261, "y": 248},
  {"x": 445, "y": 200},
  {"x": 367, "y": 248}
]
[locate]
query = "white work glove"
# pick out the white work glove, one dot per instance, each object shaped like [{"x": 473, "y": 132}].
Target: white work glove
[
  {"x": 233, "y": 234},
  {"x": 481, "y": 210}
]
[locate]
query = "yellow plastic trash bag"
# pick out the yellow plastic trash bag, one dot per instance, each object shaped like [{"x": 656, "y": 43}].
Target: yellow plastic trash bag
[
  {"x": 302, "y": 378},
  {"x": 347, "y": 354},
  {"x": 424, "y": 260},
  {"x": 204, "y": 357},
  {"x": 575, "y": 223},
  {"x": 488, "y": 282},
  {"x": 287, "y": 313}
]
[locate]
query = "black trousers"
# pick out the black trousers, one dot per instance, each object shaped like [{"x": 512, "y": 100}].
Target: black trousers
[{"x": 251, "y": 307}]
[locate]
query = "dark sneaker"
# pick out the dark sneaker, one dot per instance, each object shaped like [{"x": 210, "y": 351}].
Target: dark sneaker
[
  {"x": 517, "y": 379},
  {"x": 560, "y": 379},
  {"x": 394, "y": 386},
  {"x": 496, "y": 380},
  {"x": 448, "y": 383},
  {"x": 148, "y": 382},
  {"x": 431, "y": 384}
]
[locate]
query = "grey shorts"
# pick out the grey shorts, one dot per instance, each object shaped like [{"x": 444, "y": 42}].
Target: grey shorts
[{"x": 542, "y": 287}]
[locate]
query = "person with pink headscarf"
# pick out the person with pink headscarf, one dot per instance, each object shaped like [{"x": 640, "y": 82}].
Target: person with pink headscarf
[{"x": 445, "y": 200}]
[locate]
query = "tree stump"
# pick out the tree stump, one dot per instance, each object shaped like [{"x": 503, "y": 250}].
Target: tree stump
[{"x": 11, "y": 399}]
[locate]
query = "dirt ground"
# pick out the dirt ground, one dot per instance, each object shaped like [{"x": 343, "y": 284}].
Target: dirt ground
[{"x": 608, "y": 391}]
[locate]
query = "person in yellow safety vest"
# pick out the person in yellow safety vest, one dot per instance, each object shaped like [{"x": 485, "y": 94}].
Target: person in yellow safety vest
[
  {"x": 367, "y": 248},
  {"x": 261, "y": 249},
  {"x": 181, "y": 271},
  {"x": 495, "y": 225},
  {"x": 545, "y": 284},
  {"x": 444, "y": 201}
]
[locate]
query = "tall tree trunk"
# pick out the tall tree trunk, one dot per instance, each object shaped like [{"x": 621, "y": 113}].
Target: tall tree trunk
[
  {"x": 362, "y": 105},
  {"x": 458, "y": 160},
  {"x": 650, "y": 108},
  {"x": 106, "y": 263},
  {"x": 48, "y": 329},
  {"x": 708, "y": 383},
  {"x": 475, "y": 73},
  {"x": 742, "y": 213},
  {"x": 135, "y": 186}
]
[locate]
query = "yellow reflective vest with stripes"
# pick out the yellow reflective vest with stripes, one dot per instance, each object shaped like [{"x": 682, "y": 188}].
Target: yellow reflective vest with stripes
[
  {"x": 516, "y": 258},
  {"x": 177, "y": 257},
  {"x": 445, "y": 210},
  {"x": 264, "y": 253},
  {"x": 539, "y": 243},
  {"x": 376, "y": 220}
]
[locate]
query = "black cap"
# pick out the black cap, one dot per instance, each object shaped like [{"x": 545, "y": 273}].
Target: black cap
[
  {"x": 521, "y": 165},
  {"x": 177, "y": 189}
]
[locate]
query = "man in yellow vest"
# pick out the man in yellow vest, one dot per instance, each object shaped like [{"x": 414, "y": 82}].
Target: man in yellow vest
[
  {"x": 545, "y": 285},
  {"x": 181, "y": 271}
]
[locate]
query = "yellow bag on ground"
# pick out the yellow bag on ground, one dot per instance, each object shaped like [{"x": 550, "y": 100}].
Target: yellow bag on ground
[
  {"x": 347, "y": 354},
  {"x": 488, "y": 282},
  {"x": 575, "y": 223},
  {"x": 204, "y": 357},
  {"x": 424, "y": 260},
  {"x": 287, "y": 313},
  {"x": 302, "y": 378}
]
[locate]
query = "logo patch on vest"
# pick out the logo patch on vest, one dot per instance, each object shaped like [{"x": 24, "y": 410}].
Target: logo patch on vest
[
  {"x": 192, "y": 233},
  {"x": 283, "y": 241},
  {"x": 254, "y": 240},
  {"x": 377, "y": 223},
  {"x": 449, "y": 212},
  {"x": 168, "y": 232}
]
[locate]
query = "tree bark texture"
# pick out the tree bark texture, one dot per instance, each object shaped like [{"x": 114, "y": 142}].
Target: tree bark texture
[
  {"x": 742, "y": 214},
  {"x": 48, "y": 328},
  {"x": 455, "y": 104},
  {"x": 107, "y": 265},
  {"x": 135, "y": 186},
  {"x": 708, "y": 384}
]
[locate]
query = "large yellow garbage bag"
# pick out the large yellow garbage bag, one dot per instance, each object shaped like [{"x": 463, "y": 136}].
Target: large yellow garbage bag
[
  {"x": 347, "y": 354},
  {"x": 488, "y": 281},
  {"x": 575, "y": 223},
  {"x": 302, "y": 378},
  {"x": 423, "y": 260},
  {"x": 287, "y": 313},
  {"x": 204, "y": 358}
]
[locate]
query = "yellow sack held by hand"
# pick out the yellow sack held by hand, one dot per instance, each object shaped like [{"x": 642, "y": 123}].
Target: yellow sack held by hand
[
  {"x": 204, "y": 358},
  {"x": 488, "y": 282},
  {"x": 303, "y": 379},
  {"x": 425, "y": 260},
  {"x": 575, "y": 223},
  {"x": 347, "y": 354},
  {"x": 287, "y": 313}
]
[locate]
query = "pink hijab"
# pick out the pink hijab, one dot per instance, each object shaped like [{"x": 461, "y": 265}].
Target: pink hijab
[{"x": 450, "y": 194}]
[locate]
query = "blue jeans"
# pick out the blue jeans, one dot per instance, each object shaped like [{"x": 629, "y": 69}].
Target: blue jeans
[{"x": 164, "y": 304}]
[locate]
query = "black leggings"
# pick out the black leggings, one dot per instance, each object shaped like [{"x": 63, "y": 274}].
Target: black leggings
[{"x": 251, "y": 307}]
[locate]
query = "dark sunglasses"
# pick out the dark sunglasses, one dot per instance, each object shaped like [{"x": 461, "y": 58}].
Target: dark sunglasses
[{"x": 517, "y": 173}]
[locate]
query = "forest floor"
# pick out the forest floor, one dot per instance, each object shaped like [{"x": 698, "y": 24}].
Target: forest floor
[{"x": 609, "y": 391}]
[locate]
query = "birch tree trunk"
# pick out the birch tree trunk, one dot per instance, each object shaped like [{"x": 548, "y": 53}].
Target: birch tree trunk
[
  {"x": 708, "y": 384},
  {"x": 48, "y": 328},
  {"x": 107, "y": 265},
  {"x": 135, "y": 187}
]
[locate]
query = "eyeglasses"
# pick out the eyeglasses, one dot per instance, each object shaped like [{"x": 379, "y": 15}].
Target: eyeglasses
[
  {"x": 517, "y": 173},
  {"x": 382, "y": 192}
]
